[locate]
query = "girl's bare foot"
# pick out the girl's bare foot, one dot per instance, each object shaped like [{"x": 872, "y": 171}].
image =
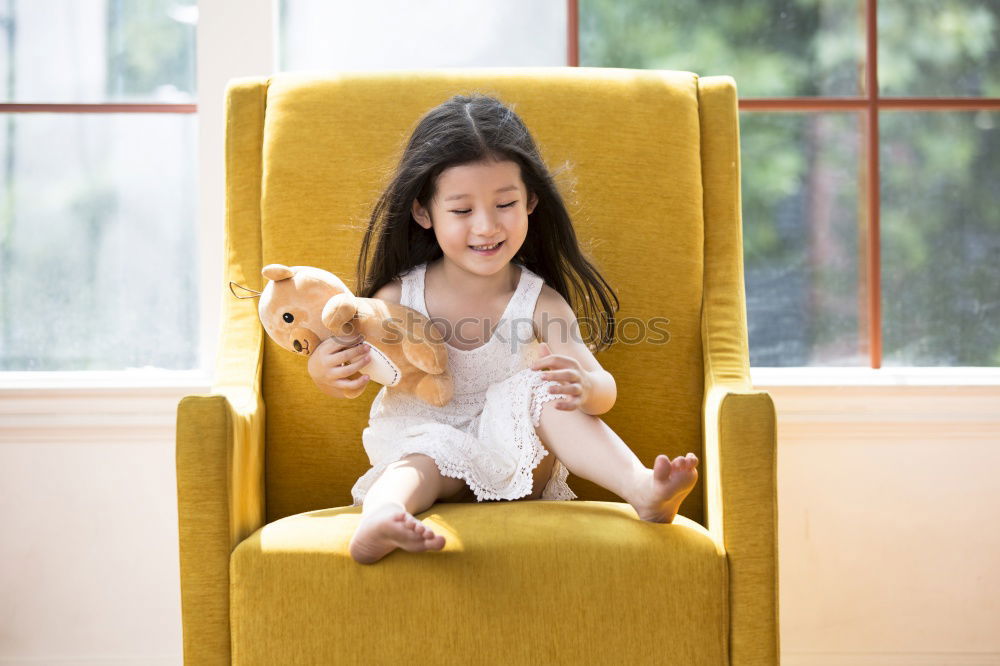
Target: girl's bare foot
[
  {"x": 669, "y": 482},
  {"x": 389, "y": 527}
]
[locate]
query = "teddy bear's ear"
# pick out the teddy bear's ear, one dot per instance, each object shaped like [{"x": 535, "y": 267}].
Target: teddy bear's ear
[{"x": 277, "y": 272}]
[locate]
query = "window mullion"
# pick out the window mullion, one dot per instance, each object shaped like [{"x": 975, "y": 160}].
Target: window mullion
[{"x": 874, "y": 195}]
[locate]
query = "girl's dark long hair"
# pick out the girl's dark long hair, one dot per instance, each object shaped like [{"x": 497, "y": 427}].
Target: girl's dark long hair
[{"x": 469, "y": 129}]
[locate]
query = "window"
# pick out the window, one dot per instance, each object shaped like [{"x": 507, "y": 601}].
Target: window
[
  {"x": 871, "y": 236},
  {"x": 871, "y": 232},
  {"x": 98, "y": 161}
]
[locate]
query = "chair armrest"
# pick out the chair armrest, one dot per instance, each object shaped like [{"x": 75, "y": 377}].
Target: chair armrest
[
  {"x": 742, "y": 514},
  {"x": 740, "y": 445},
  {"x": 220, "y": 501}
]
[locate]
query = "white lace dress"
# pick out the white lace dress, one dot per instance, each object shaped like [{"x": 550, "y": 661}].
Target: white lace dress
[{"x": 486, "y": 434}]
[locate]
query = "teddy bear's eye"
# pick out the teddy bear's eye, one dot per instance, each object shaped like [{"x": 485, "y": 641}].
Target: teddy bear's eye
[{"x": 288, "y": 317}]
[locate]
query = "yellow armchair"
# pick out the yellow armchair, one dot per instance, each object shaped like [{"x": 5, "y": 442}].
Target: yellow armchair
[{"x": 648, "y": 164}]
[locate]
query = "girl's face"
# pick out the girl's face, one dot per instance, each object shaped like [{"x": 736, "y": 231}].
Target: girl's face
[{"x": 475, "y": 205}]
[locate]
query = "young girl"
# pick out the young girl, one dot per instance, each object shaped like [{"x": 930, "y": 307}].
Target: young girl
[{"x": 472, "y": 226}]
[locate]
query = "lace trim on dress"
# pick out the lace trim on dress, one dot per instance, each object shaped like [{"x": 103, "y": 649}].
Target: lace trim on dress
[{"x": 484, "y": 470}]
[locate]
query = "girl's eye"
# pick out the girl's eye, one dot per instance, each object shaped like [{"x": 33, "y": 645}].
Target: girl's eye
[{"x": 508, "y": 205}]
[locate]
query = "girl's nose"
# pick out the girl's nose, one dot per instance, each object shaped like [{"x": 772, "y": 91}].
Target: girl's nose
[{"x": 484, "y": 224}]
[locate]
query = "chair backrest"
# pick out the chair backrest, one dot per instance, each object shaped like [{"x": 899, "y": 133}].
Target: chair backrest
[{"x": 307, "y": 155}]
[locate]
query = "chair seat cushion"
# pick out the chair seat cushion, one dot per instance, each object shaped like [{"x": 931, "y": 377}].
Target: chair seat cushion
[{"x": 525, "y": 582}]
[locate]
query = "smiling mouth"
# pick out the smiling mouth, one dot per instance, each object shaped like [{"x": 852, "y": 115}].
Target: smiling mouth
[{"x": 487, "y": 247}]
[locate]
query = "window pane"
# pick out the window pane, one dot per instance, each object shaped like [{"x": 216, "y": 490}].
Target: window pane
[
  {"x": 95, "y": 51},
  {"x": 770, "y": 48},
  {"x": 98, "y": 259},
  {"x": 801, "y": 230},
  {"x": 401, "y": 34},
  {"x": 947, "y": 48},
  {"x": 940, "y": 238}
]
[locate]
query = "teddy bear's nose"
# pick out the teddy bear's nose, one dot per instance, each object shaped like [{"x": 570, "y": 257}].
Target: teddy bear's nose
[{"x": 303, "y": 341}]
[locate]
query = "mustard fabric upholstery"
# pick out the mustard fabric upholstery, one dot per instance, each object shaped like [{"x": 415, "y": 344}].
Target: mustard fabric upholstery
[
  {"x": 568, "y": 571},
  {"x": 651, "y": 178}
]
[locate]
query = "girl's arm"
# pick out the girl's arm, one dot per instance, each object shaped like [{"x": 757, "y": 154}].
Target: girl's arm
[
  {"x": 557, "y": 326},
  {"x": 604, "y": 393}
]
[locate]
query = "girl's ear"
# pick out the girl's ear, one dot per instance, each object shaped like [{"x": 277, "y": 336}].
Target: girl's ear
[
  {"x": 532, "y": 202},
  {"x": 420, "y": 215}
]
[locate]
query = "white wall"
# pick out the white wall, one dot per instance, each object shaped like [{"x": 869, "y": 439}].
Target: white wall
[
  {"x": 888, "y": 538},
  {"x": 88, "y": 512}
]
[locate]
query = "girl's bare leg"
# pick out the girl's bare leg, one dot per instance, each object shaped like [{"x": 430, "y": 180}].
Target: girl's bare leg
[
  {"x": 408, "y": 486},
  {"x": 592, "y": 450}
]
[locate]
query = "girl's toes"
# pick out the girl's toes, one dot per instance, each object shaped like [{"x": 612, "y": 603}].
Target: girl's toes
[{"x": 661, "y": 468}]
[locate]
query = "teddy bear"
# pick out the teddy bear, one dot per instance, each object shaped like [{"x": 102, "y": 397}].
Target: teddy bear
[{"x": 301, "y": 306}]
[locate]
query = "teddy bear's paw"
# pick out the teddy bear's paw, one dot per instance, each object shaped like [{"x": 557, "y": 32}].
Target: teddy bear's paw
[{"x": 436, "y": 389}]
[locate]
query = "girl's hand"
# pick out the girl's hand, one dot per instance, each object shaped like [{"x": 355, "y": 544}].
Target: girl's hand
[
  {"x": 329, "y": 372},
  {"x": 573, "y": 380}
]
